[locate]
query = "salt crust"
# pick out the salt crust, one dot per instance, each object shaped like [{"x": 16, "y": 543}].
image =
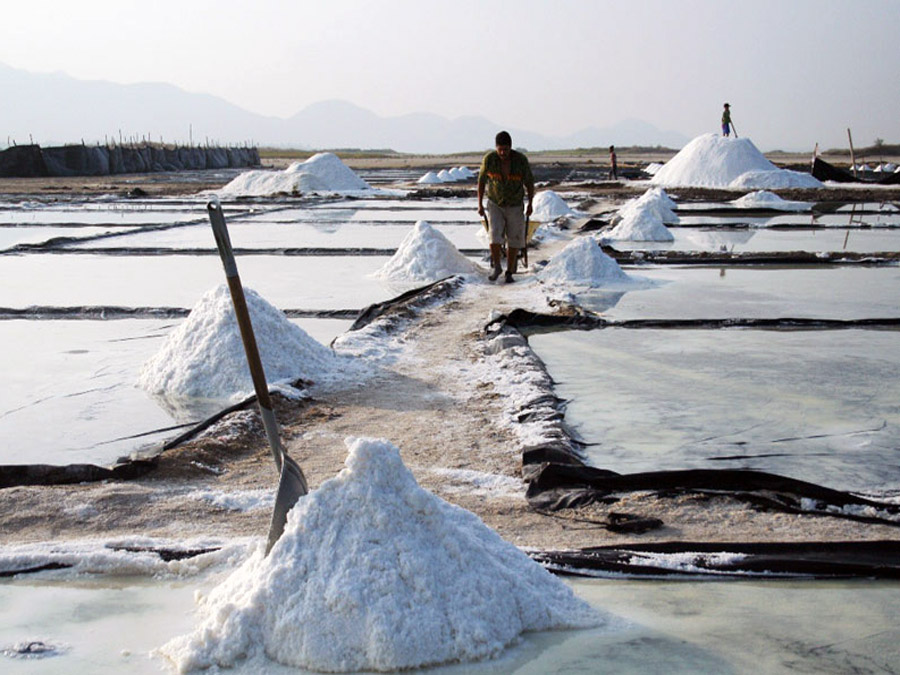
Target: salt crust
[
  {"x": 425, "y": 254},
  {"x": 204, "y": 356},
  {"x": 323, "y": 172},
  {"x": 375, "y": 573},
  {"x": 717, "y": 161},
  {"x": 582, "y": 263}
]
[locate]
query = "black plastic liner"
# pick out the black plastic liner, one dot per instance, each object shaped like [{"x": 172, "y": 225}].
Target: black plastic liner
[
  {"x": 825, "y": 171},
  {"x": 752, "y": 258},
  {"x": 842, "y": 559},
  {"x": 527, "y": 321},
  {"x": 555, "y": 486},
  {"x": 405, "y": 305}
]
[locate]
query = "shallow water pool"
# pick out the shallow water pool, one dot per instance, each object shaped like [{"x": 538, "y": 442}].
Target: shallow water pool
[
  {"x": 111, "y": 626},
  {"x": 815, "y": 405}
]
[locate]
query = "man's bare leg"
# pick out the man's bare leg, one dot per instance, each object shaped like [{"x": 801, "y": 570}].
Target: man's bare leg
[
  {"x": 512, "y": 257},
  {"x": 495, "y": 261}
]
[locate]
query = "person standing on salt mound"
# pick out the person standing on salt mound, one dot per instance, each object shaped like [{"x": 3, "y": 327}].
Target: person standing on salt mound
[
  {"x": 726, "y": 120},
  {"x": 508, "y": 177}
]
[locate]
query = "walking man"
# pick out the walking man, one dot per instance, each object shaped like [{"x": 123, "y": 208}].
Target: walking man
[{"x": 508, "y": 177}]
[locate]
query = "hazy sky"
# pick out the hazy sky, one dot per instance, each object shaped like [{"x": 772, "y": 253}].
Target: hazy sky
[{"x": 796, "y": 72}]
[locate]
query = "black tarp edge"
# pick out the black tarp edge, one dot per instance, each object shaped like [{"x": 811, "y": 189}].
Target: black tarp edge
[{"x": 828, "y": 559}]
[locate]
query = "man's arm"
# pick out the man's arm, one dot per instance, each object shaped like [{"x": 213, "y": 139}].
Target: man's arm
[
  {"x": 482, "y": 179},
  {"x": 529, "y": 188}
]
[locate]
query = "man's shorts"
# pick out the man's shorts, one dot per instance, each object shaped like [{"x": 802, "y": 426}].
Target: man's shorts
[{"x": 508, "y": 221}]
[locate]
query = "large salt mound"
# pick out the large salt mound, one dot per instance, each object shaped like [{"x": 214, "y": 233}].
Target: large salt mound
[
  {"x": 711, "y": 160},
  {"x": 446, "y": 176},
  {"x": 549, "y": 206},
  {"x": 582, "y": 263},
  {"x": 204, "y": 356},
  {"x": 323, "y": 172},
  {"x": 768, "y": 200},
  {"x": 374, "y": 573},
  {"x": 425, "y": 255},
  {"x": 780, "y": 178}
]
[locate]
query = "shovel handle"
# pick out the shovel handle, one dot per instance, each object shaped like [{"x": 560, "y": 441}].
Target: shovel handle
[{"x": 257, "y": 374}]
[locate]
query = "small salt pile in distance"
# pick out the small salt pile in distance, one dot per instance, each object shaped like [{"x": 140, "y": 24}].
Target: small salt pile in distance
[
  {"x": 425, "y": 255},
  {"x": 204, "y": 356},
  {"x": 711, "y": 160},
  {"x": 323, "y": 172},
  {"x": 643, "y": 219},
  {"x": 375, "y": 573},
  {"x": 430, "y": 178},
  {"x": 583, "y": 263},
  {"x": 763, "y": 199}
]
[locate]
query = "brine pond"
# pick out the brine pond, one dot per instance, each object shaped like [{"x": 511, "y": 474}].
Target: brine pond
[{"x": 110, "y": 625}]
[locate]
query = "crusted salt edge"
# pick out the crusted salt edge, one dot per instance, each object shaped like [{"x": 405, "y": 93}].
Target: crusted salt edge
[
  {"x": 374, "y": 573},
  {"x": 856, "y": 510},
  {"x": 235, "y": 500},
  {"x": 479, "y": 482},
  {"x": 124, "y": 556}
]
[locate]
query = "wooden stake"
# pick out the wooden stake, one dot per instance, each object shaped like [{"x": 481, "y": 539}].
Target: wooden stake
[{"x": 852, "y": 156}]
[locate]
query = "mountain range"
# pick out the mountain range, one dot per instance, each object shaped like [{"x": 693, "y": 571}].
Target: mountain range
[{"x": 54, "y": 108}]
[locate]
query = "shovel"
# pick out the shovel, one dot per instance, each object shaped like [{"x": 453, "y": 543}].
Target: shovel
[{"x": 292, "y": 484}]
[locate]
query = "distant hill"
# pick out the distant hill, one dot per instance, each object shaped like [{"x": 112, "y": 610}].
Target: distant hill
[{"x": 55, "y": 109}]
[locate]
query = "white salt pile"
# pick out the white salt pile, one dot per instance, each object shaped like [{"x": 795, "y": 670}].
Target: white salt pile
[
  {"x": 204, "y": 356},
  {"x": 715, "y": 161},
  {"x": 466, "y": 172},
  {"x": 425, "y": 255},
  {"x": 430, "y": 178},
  {"x": 641, "y": 224},
  {"x": 652, "y": 168},
  {"x": 323, "y": 172},
  {"x": 374, "y": 573},
  {"x": 763, "y": 199},
  {"x": 446, "y": 176},
  {"x": 549, "y": 206},
  {"x": 582, "y": 263},
  {"x": 457, "y": 174},
  {"x": 644, "y": 218},
  {"x": 780, "y": 178}
]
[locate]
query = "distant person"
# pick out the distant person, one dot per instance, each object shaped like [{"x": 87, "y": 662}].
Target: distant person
[
  {"x": 726, "y": 120},
  {"x": 613, "y": 165},
  {"x": 508, "y": 177}
]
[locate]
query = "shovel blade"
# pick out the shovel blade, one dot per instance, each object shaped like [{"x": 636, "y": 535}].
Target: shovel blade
[{"x": 291, "y": 486}]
